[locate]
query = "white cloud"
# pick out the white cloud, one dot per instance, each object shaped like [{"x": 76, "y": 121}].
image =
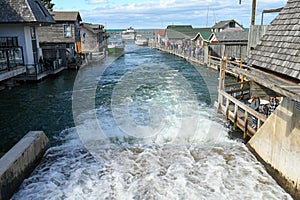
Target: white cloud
[
  {"x": 96, "y": 1},
  {"x": 158, "y": 14}
]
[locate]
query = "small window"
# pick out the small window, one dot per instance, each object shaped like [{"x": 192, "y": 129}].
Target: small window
[
  {"x": 67, "y": 31},
  {"x": 231, "y": 24}
]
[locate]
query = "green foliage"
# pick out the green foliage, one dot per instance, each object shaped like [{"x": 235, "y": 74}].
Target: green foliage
[{"x": 48, "y": 4}]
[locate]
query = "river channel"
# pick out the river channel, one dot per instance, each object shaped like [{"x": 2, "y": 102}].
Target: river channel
[{"x": 137, "y": 126}]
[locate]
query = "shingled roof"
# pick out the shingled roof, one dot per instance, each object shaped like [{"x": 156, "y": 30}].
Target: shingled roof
[
  {"x": 24, "y": 11},
  {"x": 221, "y": 24},
  {"x": 279, "y": 48},
  {"x": 95, "y": 28},
  {"x": 232, "y": 37},
  {"x": 183, "y": 31},
  {"x": 67, "y": 16}
]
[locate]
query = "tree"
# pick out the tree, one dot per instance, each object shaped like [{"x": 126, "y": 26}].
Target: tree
[{"x": 48, "y": 4}]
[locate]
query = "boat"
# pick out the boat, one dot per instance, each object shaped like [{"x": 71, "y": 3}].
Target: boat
[
  {"x": 115, "y": 47},
  {"x": 128, "y": 34},
  {"x": 141, "y": 41}
]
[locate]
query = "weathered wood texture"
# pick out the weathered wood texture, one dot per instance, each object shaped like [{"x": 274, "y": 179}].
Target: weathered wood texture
[
  {"x": 55, "y": 33},
  {"x": 255, "y": 35},
  {"x": 280, "y": 46},
  {"x": 261, "y": 91},
  {"x": 234, "y": 50}
]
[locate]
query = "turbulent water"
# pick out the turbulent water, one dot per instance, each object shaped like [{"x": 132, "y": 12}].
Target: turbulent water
[{"x": 145, "y": 128}]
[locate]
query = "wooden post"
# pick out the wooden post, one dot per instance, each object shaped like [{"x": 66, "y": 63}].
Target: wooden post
[
  {"x": 246, "y": 124},
  {"x": 235, "y": 116},
  {"x": 253, "y": 12},
  {"x": 258, "y": 124},
  {"x": 242, "y": 78},
  {"x": 221, "y": 82},
  {"x": 227, "y": 109}
]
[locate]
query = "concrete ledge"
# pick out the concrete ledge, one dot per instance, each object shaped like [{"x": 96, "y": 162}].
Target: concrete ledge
[
  {"x": 277, "y": 145},
  {"x": 19, "y": 162}
]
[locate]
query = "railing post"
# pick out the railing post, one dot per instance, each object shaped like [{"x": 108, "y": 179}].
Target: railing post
[
  {"x": 227, "y": 108},
  {"x": 258, "y": 123},
  {"x": 245, "y": 124},
  {"x": 221, "y": 83},
  {"x": 235, "y": 116}
]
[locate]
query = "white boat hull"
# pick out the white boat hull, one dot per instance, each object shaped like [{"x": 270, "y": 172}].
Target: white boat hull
[
  {"x": 141, "y": 42},
  {"x": 130, "y": 36}
]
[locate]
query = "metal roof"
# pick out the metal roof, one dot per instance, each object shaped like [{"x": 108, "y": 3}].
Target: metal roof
[
  {"x": 279, "y": 48},
  {"x": 204, "y": 33},
  {"x": 24, "y": 11}
]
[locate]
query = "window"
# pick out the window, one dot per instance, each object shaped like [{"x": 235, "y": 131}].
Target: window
[
  {"x": 231, "y": 24},
  {"x": 67, "y": 31}
]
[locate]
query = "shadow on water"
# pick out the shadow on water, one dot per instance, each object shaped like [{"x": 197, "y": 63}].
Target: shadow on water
[{"x": 45, "y": 105}]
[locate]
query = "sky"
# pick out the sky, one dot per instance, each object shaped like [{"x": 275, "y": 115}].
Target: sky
[{"x": 158, "y": 14}]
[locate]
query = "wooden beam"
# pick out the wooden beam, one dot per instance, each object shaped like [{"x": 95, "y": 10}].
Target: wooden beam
[{"x": 235, "y": 84}]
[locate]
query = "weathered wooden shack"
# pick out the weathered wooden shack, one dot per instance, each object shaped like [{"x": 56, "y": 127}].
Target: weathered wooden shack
[
  {"x": 233, "y": 44},
  {"x": 177, "y": 35},
  {"x": 19, "y": 40},
  {"x": 93, "y": 37},
  {"x": 227, "y": 25},
  {"x": 61, "y": 41}
]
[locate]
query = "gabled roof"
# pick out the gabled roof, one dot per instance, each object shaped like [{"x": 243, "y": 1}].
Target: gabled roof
[
  {"x": 183, "y": 31},
  {"x": 222, "y": 24},
  {"x": 174, "y": 34},
  {"x": 279, "y": 48},
  {"x": 67, "y": 16},
  {"x": 95, "y": 28},
  {"x": 204, "y": 34},
  {"x": 232, "y": 37},
  {"x": 24, "y": 11}
]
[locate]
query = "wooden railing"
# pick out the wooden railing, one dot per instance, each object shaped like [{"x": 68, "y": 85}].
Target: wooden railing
[{"x": 240, "y": 114}]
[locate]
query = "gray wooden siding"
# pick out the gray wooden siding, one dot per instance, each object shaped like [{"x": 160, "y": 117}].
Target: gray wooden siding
[
  {"x": 255, "y": 35},
  {"x": 55, "y": 34}
]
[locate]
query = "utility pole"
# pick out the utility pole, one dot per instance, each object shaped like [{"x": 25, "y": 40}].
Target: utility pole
[{"x": 253, "y": 11}]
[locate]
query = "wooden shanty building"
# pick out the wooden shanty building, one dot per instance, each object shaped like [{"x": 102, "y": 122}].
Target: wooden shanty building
[
  {"x": 19, "y": 40},
  {"x": 227, "y": 25},
  {"x": 177, "y": 35},
  {"x": 275, "y": 71},
  {"x": 61, "y": 41},
  {"x": 93, "y": 38},
  {"x": 229, "y": 43}
]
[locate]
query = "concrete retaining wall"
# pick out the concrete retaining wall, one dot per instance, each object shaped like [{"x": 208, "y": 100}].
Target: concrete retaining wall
[
  {"x": 19, "y": 162},
  {"x": 277, "y": 144}
]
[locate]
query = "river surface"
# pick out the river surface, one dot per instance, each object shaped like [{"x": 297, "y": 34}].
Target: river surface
[{"x": 137, "y": 126}]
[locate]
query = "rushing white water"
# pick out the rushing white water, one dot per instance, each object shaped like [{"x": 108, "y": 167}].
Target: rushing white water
[
  {"x": 135, "y": 169},
  {"x": 188, "y": 157}
]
